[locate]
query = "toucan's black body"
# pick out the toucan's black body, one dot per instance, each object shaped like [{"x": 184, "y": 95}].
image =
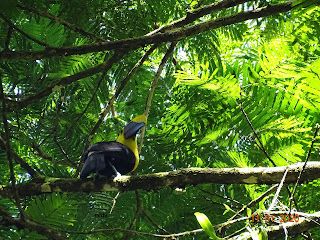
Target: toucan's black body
[{"x": 108, "y": 159}]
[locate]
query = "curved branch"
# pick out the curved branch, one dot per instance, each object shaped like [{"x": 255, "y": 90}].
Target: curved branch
[
  {"x": 12, "y": 25},
  {"x": 105, "y": 66},
  {"x": 153, "y": 86},
  {"x": 198, "y": 13},
  {"x": 134, "y": 43},
  {"x": 173, "y": 179}
]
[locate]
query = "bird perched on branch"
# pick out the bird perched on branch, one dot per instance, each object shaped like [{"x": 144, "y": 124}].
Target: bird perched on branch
[{"x": 111, "y": 159}]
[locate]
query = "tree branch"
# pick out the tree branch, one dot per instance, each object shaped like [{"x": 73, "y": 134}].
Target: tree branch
[
  {"x": 139, "y": 233},
  {"x": 153, "y": 86},
  {"x": 134, "y": 43},
  {"x": 63, "y": 22},
  {"x": 12, "y": 25},
  {"x": 33, "y": 172},
  {"x": 198, "y": 13},
  {"x": 119, "y": 89},
  {"x": 9, "y": 152},
  {"x": 292, "y": 228},
  {"x": 304, "y": 165},
  {"x": 8, "y": 220},
  {"x": 173, "y": 179},
  {"x": 65, "y": 81},
  {"x": 274, "y": 232}
]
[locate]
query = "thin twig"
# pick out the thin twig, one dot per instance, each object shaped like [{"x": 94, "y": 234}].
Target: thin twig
[
  {"x": 254, "y": 201},
  {"x": 64, "y": 152},
  {"x": 114, "y": 201},
  {"x": 305, "y": 164},
  {"x": 93, "y": 95},
  {"x": 132, "y": 232},
  {"x": 33, "y": 171},
  {"x": 50, "y": 233},
  {"x": 153, "y": 222},
  {"x": 230, "y": 222},
  {"x": 8, "y": 38},
  {"x": 65, "y": 81},
  {"x": 138, "y": 212},
  {"x": 8, "y": 151},
  {"x": 221, "y": 196},
  {"x": 259, "y": 143},
  {"x": 12, "y": 25},
  {"x": 63, "y": 22},
  {"x": 153, "y": 86},
  {"x": 276, "y": 196},
  {"x": 236, "y": 233},
  {"x": 119, "y": 89},
  {"x": 39, "y": 152}
]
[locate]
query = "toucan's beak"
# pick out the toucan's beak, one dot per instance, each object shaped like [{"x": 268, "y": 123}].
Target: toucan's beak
[{"x": 132, "y": 128}]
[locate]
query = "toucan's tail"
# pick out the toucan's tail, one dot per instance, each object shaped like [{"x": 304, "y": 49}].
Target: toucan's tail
[{"x": 93, "y": 163}]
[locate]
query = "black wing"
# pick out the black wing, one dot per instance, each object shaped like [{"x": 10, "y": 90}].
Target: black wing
[{"x": 103, "y": 156}]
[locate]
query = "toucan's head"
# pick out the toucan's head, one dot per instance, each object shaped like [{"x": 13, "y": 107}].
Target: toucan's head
[{"x": 133, "y": 127}]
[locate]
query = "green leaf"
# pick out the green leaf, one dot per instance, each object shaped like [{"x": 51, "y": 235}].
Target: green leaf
[
  {"x": 263, "y": 234},
  {"x": 206, "y": 225}
]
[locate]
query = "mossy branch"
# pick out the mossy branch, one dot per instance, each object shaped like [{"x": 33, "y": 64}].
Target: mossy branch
[{"x": 172, "y": 179}]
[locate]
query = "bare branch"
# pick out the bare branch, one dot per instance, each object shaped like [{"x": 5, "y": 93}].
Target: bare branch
[
  {"x": 8, "y": 151},
  {"x": 305, "y": 164},
  {"x": 12, "y": 25},
  {"x": 134, "y": 43},
  {"x": 65, "y": 81},
  {"x": 34, "y": 172},
  {"x": 153, "y": 86},
  {"x": 274, "y": 232},
  {"x": 198, "y": 13},
  {"x": 139, "y": 233},
  {"x": 173, "y": 179},
  {"x": 259, "y": 143},
  {"x": 119, "y": 89}
]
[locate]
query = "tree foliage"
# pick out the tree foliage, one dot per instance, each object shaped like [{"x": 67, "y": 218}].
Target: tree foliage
[{"x": 241, "y": 89}]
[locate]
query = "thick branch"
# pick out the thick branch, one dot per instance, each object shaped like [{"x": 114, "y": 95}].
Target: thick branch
[
  {"x": 138, "y": 42},
  {"x": 173, "y": 179},
  {"x": 198, "y": 13}
]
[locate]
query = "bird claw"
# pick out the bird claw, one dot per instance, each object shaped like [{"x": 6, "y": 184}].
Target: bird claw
[{"x": 117, "y": 175}]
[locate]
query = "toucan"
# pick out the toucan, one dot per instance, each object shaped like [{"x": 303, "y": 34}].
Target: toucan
[{"x": 111, "y": 159}]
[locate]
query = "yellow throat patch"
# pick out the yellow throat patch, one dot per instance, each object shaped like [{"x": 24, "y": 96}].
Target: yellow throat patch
[{"x": 131, "y": 143}]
